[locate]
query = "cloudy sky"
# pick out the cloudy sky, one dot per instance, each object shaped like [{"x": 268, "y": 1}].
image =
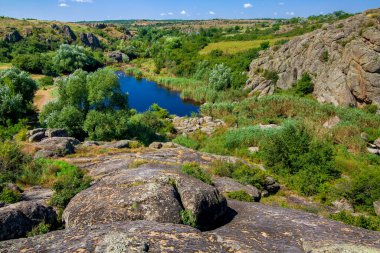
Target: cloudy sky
[{"x": 75, "y": 10}]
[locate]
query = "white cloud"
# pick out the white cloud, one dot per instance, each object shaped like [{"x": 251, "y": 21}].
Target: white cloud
[
  {"x": 248, "y": 5},
  {"x": 183, "y": 12},
  {"x": 290, "y": 13},
  {"x": 63, "y": 5},
  {"x": 170, "y": 13},
  {"x": 281, "y": 3},
  {"x": 162, "y": 14},
  {"x": 212, "y": 13}
]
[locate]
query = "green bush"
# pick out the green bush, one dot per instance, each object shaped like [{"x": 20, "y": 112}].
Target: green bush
[
  {"x": 17, "y": 90},
  {"x": 9, "y": 196},
  {"x": 67, "y": 186},
  {"x": 194, "y": 170},
  {"x": 220, "y": 77},
  {"x": 188, "y": 218},
  {"x": 367, "y": 222},
  {"x": 40, "y": 229},
  {"x": 45, "y": 81},
  {"x": 305, "y": 85},
  {"x": 240, "y": 196},
  {"x": 292, "y": 153},
  {"x": 186, "y": 142},
  {"x": 11, "y": 161}
]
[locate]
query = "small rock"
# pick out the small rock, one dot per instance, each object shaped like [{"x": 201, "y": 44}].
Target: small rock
[
  {"x": 364, "y": 136},
  {"x": 226, "y": 185},
  {"x": 34, "y": 131},
  {"x": 169, "y": 145},
  {"x": 373, "y": 151},
  {"x": 253, "y": 150},
  {"x": 37, "y": 137},
  {"x": 90, "y": 144},
  {"x": 377, "y": 143},
  {"x": 156, "y": 145},
  {"x": 332, "y": 122},
  {"x": 376, "y": 205},
  {"x": 343, "y": 205},
  {"x": 268, "y": 126},
  {"x": 264, "y": 194},
  {"x": 121, "y": 144},
  {"x": 271, "y": 185}
]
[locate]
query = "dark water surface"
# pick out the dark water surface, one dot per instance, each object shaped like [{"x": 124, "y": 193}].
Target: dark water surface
[{"x": 144, "y": 93}]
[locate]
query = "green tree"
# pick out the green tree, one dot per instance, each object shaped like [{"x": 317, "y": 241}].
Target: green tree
[
  {"x": 16, "y": 94},
  {"x": 70, "y": 58},
  {"x": 220, "y": 77}
]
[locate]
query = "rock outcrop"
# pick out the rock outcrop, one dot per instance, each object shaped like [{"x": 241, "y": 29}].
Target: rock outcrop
[
  {"x": 254, "y": 228},
  {"x": 146, "y": 193},
  {"x": 343, "y": 60},
  {"x": 56, "y": 147},
  {"x": 227, "y": 185},
  {"x": 13, "y": 36},
  {"x": 68, "y": 32},
  {"x": 116, "y": 56},
  {"x": 204, "y": 124},
  {"x": 90, "y": 40}
]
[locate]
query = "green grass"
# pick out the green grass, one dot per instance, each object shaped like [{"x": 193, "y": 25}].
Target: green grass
[
  {"x": 194, "y": 170},
  {"x": 240, "y": 195},
  {"x": 5, "y": 66},
  {"x": 233, "y": 47}
]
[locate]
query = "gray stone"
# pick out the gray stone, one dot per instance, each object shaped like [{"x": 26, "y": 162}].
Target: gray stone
[
  {"x": 90, "y": 40},
  {"x": 35, "y": 131},
  {"x": 156, "y": 145},
  {"x": 374, "y": 151},
  {"x": 69, "y": 33},
  {"x": 13, "y": 36},
  {"x": 146, "y": 193},
  {"x": 56, "y": 147},
  {"x": 253, "y": 150},
  {"x": 50, "y": 133},
  {"x": 377, "y": 143},
  {"x": 343, "y": 205},
  {"x": 37, "y": 137},
  {"x": 332, "y": 122},
  {"x": 226, "y": 185},
  {"x": 376, "y": 206}
]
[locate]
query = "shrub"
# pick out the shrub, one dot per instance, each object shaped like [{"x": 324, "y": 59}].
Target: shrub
[
  {"x": 40, "y": 229},
  {"x": 194, "y": 170},
  {"x": 9, "y": 196},
  {"x": 67, "y": 186},
  {"x": 188, "y": 218},
  {"x": 46, "y": 81},
  {"x": 367, "y": 222},
  {"x": 293, "y": 154},
  {"x": 240, "y": 195},
  {"x": 305, "y": 85},
  {"x": 11, "y": 161},
  {"x": 106, "y": 126},
  {"x": 220, "y": 77}
]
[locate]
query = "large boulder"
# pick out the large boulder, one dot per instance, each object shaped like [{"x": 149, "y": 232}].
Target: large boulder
[
  {"x": 56, "y": 147},
  {"x": 342, "y": 58},
  {"x": 16, "y": 220},
  {"x": 146, "y": 193},
  {"x": 206, "y": 124},
  {"x": 376, "y": 206},
  {"x": 50, "y": 133},
  {"x": 131, "y": 237}
]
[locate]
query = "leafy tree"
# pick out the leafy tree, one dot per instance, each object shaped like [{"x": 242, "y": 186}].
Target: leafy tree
[
  {"x": 70, "y": 58},
  {"x": 305, "y": 85},
  {"x": 69, "y": 118},
  {"x": 16, "y": 94},
  {"x": 106, "y": 126},
  {"x": 220, "y": 77}
]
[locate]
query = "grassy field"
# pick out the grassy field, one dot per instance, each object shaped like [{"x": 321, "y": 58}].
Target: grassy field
[{"x": 233, "y": 47}]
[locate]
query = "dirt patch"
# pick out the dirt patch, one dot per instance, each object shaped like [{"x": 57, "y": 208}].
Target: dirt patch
[{"x": 43, "y": 97}]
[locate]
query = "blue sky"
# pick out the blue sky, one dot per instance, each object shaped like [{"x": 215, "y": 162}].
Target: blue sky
[{"x": 75, "y": 10}]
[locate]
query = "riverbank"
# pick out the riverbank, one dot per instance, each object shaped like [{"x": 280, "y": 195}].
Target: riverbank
[{"x": 190, "y": 89}]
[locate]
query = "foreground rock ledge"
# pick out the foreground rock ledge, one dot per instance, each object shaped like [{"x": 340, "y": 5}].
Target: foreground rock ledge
[{"x": 255, "y": 228}]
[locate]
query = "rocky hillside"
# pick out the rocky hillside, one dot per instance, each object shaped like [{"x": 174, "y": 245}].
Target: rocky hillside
[
  {"x": 342, "y": 58},
  {"x": 55, "y": 32}
]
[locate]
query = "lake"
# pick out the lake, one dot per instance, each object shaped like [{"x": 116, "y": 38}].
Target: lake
[{"x": 144, "y": 93}]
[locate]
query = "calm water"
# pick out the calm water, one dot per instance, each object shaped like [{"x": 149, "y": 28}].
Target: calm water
[{"x": 144, "y": 93}]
